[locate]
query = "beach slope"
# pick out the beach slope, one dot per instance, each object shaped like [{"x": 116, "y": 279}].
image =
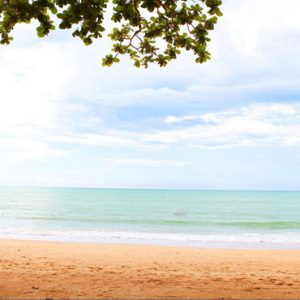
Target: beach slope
[{"x": 31, "y": 269}]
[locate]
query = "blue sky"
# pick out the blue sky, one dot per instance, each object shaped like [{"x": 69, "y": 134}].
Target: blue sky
[{"x": 232, "y": 123}]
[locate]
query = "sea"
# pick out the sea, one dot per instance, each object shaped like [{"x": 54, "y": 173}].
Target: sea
[{"x": 185, "y": 218}]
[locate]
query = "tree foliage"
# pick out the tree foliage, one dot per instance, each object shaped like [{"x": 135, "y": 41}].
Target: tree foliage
[{"x": 149, "y": 31}]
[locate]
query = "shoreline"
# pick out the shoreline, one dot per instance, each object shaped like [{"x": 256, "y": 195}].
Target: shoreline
[
  {"x": 289, "y": 240},
  {"x": 205, "y": 246},
  {"x": 41, "y": 269},
  {"x": 139, "y": 244}
]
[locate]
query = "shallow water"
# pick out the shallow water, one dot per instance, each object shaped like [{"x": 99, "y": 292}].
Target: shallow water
[{"x": 231, "y": 219}]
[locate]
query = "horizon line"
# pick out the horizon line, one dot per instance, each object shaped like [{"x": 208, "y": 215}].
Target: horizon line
[{"x": 150, "y": 189}]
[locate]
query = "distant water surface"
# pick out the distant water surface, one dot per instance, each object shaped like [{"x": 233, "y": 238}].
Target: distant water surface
[{"x": 228, "y": 219}]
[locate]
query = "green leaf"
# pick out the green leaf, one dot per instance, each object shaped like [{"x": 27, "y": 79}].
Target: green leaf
[{"x": 147, "y": 31}]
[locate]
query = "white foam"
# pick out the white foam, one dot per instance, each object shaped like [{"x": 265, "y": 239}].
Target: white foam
[{"x": 279, "y": 240}]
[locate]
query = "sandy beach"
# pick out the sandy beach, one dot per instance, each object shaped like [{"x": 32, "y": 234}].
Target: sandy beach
[{"x": 31, "y": 269}]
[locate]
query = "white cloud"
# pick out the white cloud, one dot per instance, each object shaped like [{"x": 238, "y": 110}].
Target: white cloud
[
  {"x": 108, "y": 139},
  {"x": 254, "y": 125},
  {"x": 173, "y": 119},
  {"x": 261, "y": 124},
  {"x": 150, "y": 163},
  {"x": 39, "y": 83},
  {"x": 20, "y": 150},
  {"x": 34, "y": 82}
]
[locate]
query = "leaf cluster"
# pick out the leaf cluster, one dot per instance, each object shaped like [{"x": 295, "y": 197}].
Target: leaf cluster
[{"x": 149, "y": 31}]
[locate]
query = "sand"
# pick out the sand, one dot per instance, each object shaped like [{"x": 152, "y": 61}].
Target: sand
[{"x": 30, "y": 269}]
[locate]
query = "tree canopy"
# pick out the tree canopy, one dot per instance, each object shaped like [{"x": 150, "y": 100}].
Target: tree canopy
[{"x": 149, "y": 31}]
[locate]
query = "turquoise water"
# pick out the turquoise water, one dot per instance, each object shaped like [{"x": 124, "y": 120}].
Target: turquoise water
[{"x": 165, "y": 217}]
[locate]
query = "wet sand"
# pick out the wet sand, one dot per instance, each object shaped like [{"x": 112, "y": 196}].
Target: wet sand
[{"x": 30, "y": 269}]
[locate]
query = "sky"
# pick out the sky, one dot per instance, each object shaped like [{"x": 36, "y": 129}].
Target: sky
[{"x": 231, "y": 123}]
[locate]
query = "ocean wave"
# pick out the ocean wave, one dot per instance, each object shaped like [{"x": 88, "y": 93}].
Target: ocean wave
[
  {"x": 156, "y": 222},
  {"x": 288, "y": 240}
]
